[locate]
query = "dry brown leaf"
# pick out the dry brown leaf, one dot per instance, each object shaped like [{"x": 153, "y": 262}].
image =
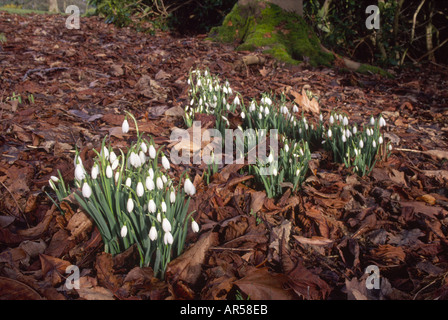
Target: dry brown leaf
[
  {"x": 89, "y": 290},
  {"x": 187, "y": 267},
  {"x": 307, "y": 284},
  {"x": 389, "y": 254},
  {"x": 79, "y": 225},
  {"x": 264, "y": 285},
  {"x": 15, "y": 290}
]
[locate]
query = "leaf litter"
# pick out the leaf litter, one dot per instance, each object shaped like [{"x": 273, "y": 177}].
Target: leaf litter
[{"x": 313, "y": 245}]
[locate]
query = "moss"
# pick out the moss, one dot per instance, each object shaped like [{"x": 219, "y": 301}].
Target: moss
[
  {"x": 368, "y": 69},
  {"x": 283, "y": 35}
]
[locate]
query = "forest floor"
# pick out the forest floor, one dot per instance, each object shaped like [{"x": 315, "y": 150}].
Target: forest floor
[{"x": 315, "y": 244}]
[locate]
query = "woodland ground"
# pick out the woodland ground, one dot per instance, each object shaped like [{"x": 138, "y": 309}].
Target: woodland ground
[{"x": 314, "y": 244}]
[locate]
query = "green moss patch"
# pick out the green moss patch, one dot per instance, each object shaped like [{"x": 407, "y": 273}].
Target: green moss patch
[{"x": 283, "y": 35}]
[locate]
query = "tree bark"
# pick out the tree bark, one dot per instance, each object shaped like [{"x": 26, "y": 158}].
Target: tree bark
[{"x": 53, "y": 6}]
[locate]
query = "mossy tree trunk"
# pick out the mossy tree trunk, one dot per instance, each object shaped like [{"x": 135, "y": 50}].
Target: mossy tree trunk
[{"x": 282, "y": 33}]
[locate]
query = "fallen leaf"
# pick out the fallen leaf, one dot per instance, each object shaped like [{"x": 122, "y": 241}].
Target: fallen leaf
[
  {"x": 89, "y": 290},
  {"x": 15, "y": 290}
]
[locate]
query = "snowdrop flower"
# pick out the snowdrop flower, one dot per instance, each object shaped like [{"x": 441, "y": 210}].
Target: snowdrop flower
[
  {"x": 52, "y": 185},
  {"x": 243, "y": 115},
  {"x": 329, "y": 133},
  {"x": 165, "y": 162},
  {"x": 321, "y": 117},
  {"x": 140, "y": 190},
  {"x": 355, "y": 130},
  {"x": 144, "y": 147},
  {"x": 236, "y": 101},
  {"x": 271, "y": 157},
  {"x": 274, "y": 171},
  {"x": 142, "y": 156},
  {"x": 168, "y": 238},
  {"x": 54, "y": 178},
  {"x": 252, "y": 107},
  {"x": 331, "y": 119},
  {"x": 189, "y": 187},
  {"x": 344, "y": 139},
  {"x": 152, "y": 233},
  {"x": 260, "y": 116},
  {"x": 115, "y": 164},
  {"x": 382, "y": 122},
  {"x": 150, "y": 183},
  {"x": 152, "y": 152},
  {"x": 286, "y": 148},
  {"x": 159, "y": 183},
  {"x": 95, "y": 171},
  {"x": 112, "y": 157},
  {"x": 390, "y": 147},
  {"x": 151, "y": 172},
  {"x": 105, "y": 153},
  {"x": 198, "y": 83},
  {"x": 164, "y": 179},
  {"x": 361, "y": 144},
  {"x": 125, "y": 126},
  {"x": 86, "y": 190},
  {"x": 130, "y": 205},
  {"x": 134, "y": 159},
  {"x": 152, "y": 206},
  {"x": 166, "y": 225},
  {"x": 77, "y": 160},
  {"x": 117, "y": 176},
  {"x": 295, "y": 108},
  {"x": 128, "y": 182},
  {"x": 374, "y": 144},
  {"x": 348, "y": 133},
  {"x": 380, "y": 140},
  {"x": 194, "y": 226},
  {"x": 80, "y": 173},
  {"x": 266, "y": 110},
  {"x": 163, "y": 206},
  {"x": 172, "y": 196},
  {"x": 297, "y": 172},
  {"x": 345, "y": 121},
  {"x": 372, "y": 121},
  {"x": 124, "y": 231},
  {"x": 159, "y": 217}
]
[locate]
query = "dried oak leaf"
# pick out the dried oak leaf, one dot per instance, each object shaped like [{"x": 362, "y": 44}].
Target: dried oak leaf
[
  {"x": 264, "y": 285},
  {"x": 306, "y": 284},
  {"x": 388, "y": 254},
  {"x": 15, "y": 290},
  {"x": 89, "y": 290}
]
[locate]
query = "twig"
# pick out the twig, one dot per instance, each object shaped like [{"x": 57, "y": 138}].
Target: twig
[{"x": 40, "y": 71}]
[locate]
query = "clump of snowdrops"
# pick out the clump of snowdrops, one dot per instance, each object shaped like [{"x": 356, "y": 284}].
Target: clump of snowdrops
[{"x": 133, "y": 200}]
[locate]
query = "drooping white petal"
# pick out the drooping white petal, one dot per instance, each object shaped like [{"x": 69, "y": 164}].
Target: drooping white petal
[
  {"x": 80, "y": 173},
  {"x": 153, "y": 233},
  {"x": 152, "y": 206},
  {"x": 124, "y": 231},
  {"x": 166, "y": 225},
  {"x": 125, "y": 126},
  {"x": 194, "y": 226},
  {"x": 86, "y": 190},
  {"x": 130, "y": 205},
  {"x": 140, "y": 190},
  {"x": 168, "y": 238}
]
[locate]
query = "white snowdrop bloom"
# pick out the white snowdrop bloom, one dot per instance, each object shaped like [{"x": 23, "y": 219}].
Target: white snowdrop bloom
[
  {"x": 374, "y": 144},
  {"x": 260, "y": 116},
  {"x": 390, "y": 147},
  {"x": 142, "y": 157},
  {"x": 274, "y": 171},
  {"x": 189, "y": 187},
  {"x": 356, "y": 151},
  {"x": 159, "y": 217},
  {"x": 163, "y": 205},
  {"x": 243, "y": 115},
  {"x": 144, "y": 147},
  {"x": 80, "y": 173},
  {"x": 152, "y": 152},
  {"x": 194, "y": 226},
  {"x": 152, "y": 233},
  {"x": 150, "y": 183},
  {"x": 95, "y": 171},
  {"x": 54, "y": 178},
  {"x": 105, "y": 153},
  {"x": 168, "y": 238},
  {"x": 252, "y": 107},
  {"x": 329, "y": 133},
  {"x": 266, "y": 110},
  {"x": 52, "y": 185},
  {"x": 230, "y": 91},
  {"x": 295, "y": 108},
  {"x": 348, "y": 133},
  {"x": 236, "y": 101},
  {"x": 382, "y": 122},
  {"x": 297, "y": 172},
  {"x": 361, "y": 144},
  {"x": 172, "y": 196},
  {"x": 224, "y": 89},
  {"x": 372, "y": 121},
  {"x": 112, "y": 157},
  {"x": 151, "y": 172},
  {"x": 125, "y": 126},
  {"x": 331, "y": 119},
  {"x": 380, "y": 139},
  {"x": 165, "y": 162},
  {"x": 140, "y": 189},
  {"x": 159, "y": 183},
  {"x": 286, "y": 148},
  {"x": 306, "y": 126},
  {"x": 344, "y": 139},
  {"x": 355, "y": 130},
  {"x": 117, "y": 176},
  {"x": 130, "y": 205},
  {"x": 271, "y": 158},
  {"x": 164, "y": 179},
  {"x": 152, "y": 206},
  {"x": 115, "y": 164},
  {"x": 321, "y": 117},
  {"x": 345, "y": 121},
  {"x": 198, "y": 83},
  {"x": 166, "y": 225},
  {"x": 128, "y": 182},
  {"x": 86, "y": 190},
  {"x": 124, "y": 231}
]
